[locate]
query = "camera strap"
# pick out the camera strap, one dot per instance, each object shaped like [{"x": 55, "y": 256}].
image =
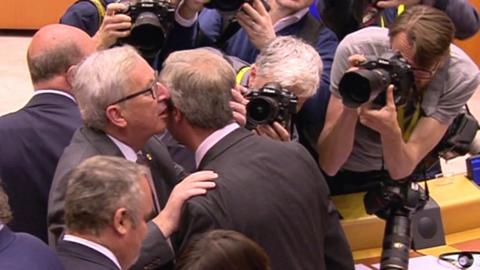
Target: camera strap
[{"x": 402, "y": 118}]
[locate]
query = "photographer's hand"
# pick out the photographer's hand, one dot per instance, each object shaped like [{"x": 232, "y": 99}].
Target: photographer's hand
[
  {"x": 275, "y": 131},
  {"x": 188, "y": 9},
  {"x": 114, "y": 26},
  {"x": 238, "y": 105},
  {"x": 384, "y": 120},
  {"x": 256, "y": 21}
]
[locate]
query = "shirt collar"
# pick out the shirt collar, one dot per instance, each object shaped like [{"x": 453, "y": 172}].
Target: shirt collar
[
  {"x": 103, "y": 250},
  {"x": 56, "y": 92},
  {"x": 1, "y": 226},
  {"x": 211, "y": 140},
  {"x": 126, "y": 150},
  {"x": 289, "y": 20}
]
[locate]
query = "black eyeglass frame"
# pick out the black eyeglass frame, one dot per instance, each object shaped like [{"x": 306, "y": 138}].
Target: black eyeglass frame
[{"x": 151, "y": 89}]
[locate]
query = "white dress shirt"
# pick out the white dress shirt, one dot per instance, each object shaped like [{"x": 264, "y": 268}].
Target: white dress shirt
[
  {"x": 57, "y": 92},
  {"x": 211, "y": 140}
]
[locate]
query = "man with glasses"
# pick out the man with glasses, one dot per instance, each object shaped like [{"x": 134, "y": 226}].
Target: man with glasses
[
  {"x": 122, "y": 106},
  {"x": 360, "y": 146}
]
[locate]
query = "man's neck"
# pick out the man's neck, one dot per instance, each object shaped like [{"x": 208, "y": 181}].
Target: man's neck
[{"x": 56, "y": 83}]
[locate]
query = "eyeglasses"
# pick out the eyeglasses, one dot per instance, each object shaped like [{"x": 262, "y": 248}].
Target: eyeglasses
[
  {"x": 152, "y": 89},
  {"x": 422, "y": 73}
]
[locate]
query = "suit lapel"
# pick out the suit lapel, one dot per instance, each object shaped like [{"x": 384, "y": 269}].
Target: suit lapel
[{"x": 225, "y": 143}]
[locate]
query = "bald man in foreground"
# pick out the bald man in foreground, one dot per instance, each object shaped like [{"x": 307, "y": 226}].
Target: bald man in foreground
[{"x": 33, "y": 138}]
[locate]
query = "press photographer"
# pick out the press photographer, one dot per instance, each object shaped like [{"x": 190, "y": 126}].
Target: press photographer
[
  {"x": 148, "y": 25},
  {"x": 365, "y": 145}
]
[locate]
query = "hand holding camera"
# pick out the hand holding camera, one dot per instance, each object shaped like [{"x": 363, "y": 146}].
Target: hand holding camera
[
  {"x": 115, "y": 25},
  {"x": 255, "y": 19}
]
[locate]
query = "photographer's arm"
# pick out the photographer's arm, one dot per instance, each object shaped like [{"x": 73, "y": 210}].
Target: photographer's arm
[
  {"x": 336, "y": 140},
  {"x": 402, "y": 157}
]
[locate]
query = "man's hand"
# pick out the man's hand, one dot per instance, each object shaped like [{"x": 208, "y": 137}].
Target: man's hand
[
  {"x": 274, "y": 131},
  {"x": 256, "y": 21},
  {"x": 114, "y": 26},
  {"x": 188, "y": 9},
  {"x": 396, "y": 3},
  {"x": 238, "y": 105},
  {"x": 195, "y": 184},
  {"x": 384, "y": 121}
]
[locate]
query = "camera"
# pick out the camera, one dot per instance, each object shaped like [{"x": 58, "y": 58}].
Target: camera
[
  {"x": 370, "y": 82},
  {"x": 396, "y": 202},
  {"x": 270, "y": 103},
  {"x": 151, "y": 23}
]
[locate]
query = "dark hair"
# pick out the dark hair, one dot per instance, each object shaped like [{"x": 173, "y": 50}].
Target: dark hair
[
  {"x": 223, "y": 250},
  {"x": 5, "y": 212},
  {"x": 429, "y": 30}
]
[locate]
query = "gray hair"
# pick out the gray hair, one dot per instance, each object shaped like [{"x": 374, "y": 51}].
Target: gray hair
[
  {"x": 100, "y": 80},
  {"x": 54, "y": 61},
  {"x": 5, "y": 212},
  {"x": 97, "y": 188},
  {"x": 292, "y": 63},
  {"x": 200, "y": 84}
]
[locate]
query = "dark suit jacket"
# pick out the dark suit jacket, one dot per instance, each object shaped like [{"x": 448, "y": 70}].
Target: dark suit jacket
[
  {"x": 75, "y": 256},
  {"x": 272, "y": 192},
  {"x": 32, "y": 140},
  {"x": 86, "y": 143},
  {"x": 21, "y": 251}
]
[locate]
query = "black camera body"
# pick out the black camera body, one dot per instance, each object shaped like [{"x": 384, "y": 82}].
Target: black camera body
[
  {"x": 270, "y": 103},
  {"x": 152, "y": 20},
  {"x": 370, "y": 82}
]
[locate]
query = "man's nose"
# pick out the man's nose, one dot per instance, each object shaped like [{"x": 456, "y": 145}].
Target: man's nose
[{"x": 162, "y": 92}]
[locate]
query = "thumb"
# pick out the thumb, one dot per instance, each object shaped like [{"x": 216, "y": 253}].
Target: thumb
[{"x": 390, "y": 100}]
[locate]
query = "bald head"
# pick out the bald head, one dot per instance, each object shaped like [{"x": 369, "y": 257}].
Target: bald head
[{"x": 53, "y": 50}]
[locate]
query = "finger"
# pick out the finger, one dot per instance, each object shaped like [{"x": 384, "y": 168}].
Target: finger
[
  {"x": 387, "y": 4},
  {"x": 240, "y": 88},
  {"x": 118, "y": 18},
  {"x": 114, "y": 8},
  {"x": 281, "y": 131},
  {"x": 238, "y": 107},
  {"x": 356, "y": 59},
  {"x": 260, "y": 8},
  {"x": 268, "y": 131},
  {"x": 389, "y": 99},
  {"x": 201, "y": 176},
  {"x": 239, "y": 118},
  {"x": 118, "y": 26},
  {"x": 251, "y": 12},
  {"x": 238, "y": 97}
]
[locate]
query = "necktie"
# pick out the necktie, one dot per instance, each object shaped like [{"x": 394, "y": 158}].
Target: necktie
[{"x": 143, "y": 160}]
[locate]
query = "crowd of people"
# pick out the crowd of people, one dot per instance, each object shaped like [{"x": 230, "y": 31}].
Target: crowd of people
[{"x": 124, "y": 161}]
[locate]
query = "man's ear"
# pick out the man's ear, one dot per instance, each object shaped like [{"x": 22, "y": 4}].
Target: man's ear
[
  {"x": 121, "y": 221},
  {"x": 71, "y": 74},
  {"x": 115, "y": 116},
  {"x": 253, "y": 76},
  {"x": 177, "y": 115}
]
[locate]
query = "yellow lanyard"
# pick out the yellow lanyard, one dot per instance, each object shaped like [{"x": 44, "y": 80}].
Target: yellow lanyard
[
  {"x": 242, "y": 73},
  {"x": 407, "y": 131},
  {"x": 100, "y": 9},
  {"x": 400, "y": 10}
]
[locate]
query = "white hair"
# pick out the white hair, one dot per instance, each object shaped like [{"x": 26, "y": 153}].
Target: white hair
[
  {"x": 102, "y": 79},
  {"x": 292, "y": 63}
]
